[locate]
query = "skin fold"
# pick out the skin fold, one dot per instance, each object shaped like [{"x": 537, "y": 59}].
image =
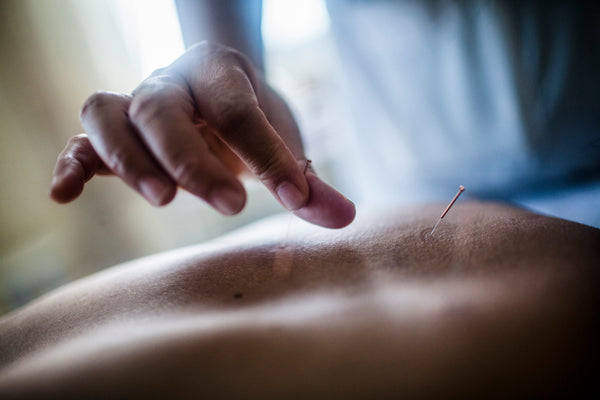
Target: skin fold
[{"x": 497, "y": 302}]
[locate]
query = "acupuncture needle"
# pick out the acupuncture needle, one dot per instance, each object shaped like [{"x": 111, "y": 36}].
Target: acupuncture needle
[
  {"x": 461, "y": 189},
  {"x": 307, "y": 163}
]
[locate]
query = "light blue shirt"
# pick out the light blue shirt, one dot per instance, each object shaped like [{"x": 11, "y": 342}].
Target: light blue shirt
[{"x": 500, "y": 96}]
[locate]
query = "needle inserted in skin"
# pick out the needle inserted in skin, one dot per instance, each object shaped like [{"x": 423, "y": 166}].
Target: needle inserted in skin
[{"x": 461, "y": 189}]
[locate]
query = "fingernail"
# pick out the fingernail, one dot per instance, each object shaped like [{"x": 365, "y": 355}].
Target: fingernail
[
  {"x": 153, "y": 190},
  {"x": 290, "y": 196},
  {"x": 227, "y": 200}
]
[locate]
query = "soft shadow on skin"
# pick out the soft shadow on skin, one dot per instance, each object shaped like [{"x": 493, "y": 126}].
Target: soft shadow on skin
[
  {"x": 241, "y": 270},
  {"x": 392, "y": 246},
  {"x": 489, "y": 274},
  {"x": 266, "y": 273}
]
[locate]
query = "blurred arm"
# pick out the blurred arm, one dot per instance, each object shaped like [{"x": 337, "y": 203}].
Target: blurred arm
[{"x": 234, "y": 23}]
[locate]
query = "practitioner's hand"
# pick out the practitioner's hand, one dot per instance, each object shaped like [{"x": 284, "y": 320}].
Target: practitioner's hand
[{"x": 198, "y": 124}]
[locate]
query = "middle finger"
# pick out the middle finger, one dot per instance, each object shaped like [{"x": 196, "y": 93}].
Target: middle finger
[{"x": 163, "y": 112}]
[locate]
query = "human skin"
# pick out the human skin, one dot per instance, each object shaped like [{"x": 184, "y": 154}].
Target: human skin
[
  {"x": 498, "y": 302},
  {"x": 198, "y": 124}
]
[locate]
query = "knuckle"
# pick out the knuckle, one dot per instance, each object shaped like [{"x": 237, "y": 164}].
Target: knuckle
[
  {"x": 78, "y": 141},
  {"x": 65, "y": 161},
  {"x": 207, "y": 48},
  {"x": 216, "y": 54},
  {"x": 159, "y": 82},
  {"x": 158, "y": 72},
  {"x": 95, "y": 103},
  {"x": 157, "y": 97},
  {"x": 78, "y": 147},
  {"x": 78, "y": 155}
]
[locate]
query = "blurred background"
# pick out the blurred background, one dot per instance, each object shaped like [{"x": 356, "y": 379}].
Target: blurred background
[{"x": 54, "y": 55}]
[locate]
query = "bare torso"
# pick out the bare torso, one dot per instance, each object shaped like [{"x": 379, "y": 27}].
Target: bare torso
[{"x": 498, "y": 301}]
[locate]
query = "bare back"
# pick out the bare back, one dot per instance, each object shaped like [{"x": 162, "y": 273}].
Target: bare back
[{"x": 499, "y": 301}]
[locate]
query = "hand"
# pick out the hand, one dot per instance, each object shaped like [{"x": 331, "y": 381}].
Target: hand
[{"x": 198, "y": 124}]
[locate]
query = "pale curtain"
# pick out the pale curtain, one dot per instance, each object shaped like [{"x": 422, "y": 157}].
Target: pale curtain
[{"x": 54, "y": 54}]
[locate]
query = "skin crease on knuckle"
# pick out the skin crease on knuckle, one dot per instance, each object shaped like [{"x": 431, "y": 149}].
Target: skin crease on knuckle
[
  {"x": 156, "y": 99},
  {"x": 203, "y": 54},
  {"x": 84, "y": 155},
  {"x": 77, "y": 141},
  {"x": 75, "y": 151},
  {"x": 98, "y": 101}
]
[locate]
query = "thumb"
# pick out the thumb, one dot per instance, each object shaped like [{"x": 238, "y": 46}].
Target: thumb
[{"x": 326, "y": 206}]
